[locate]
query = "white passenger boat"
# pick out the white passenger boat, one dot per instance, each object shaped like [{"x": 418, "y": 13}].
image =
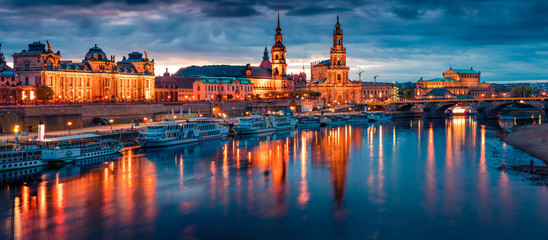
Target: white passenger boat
[
  {"x": 253, "y": 124},
  {"x": 284, "y": 122},
  {"x": 378, "y": 116},
  {"x": 62, "y": 150},
  {"x": 334, "y": 120},
  {"x": 357, "y": 118},
  {"x": 308, "y": 122},
  {"x": 181, "y": 132},
  {"x": 25, "y": 158}
]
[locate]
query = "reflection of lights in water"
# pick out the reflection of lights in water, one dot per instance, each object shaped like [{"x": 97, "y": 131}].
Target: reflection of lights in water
[
  {"x": 483, "y": 167},
  {"x": 304, "y": 195}
]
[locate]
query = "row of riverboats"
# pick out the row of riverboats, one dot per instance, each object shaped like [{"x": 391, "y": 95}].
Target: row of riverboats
[
  {"x": 63, "y": 150},
  {"x": 341, "y": 119}
]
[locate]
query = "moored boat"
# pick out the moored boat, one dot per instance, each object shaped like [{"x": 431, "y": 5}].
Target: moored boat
[
  {"x": 357, "y": 118},
  {"x": 253, "y": 125},
  {"x": 378, "y": 116},
  {"x": 24, "y": 158},
  {"x": 307, "y": 121},
  {"x": 62, "y": 150},
  {"x": 181, "y": 132}
]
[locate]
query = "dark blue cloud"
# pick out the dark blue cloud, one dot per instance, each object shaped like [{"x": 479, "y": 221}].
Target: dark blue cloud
[{"x": 399, "y": 39}]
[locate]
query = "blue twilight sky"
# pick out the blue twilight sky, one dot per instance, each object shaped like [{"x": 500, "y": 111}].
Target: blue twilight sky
[{"x": 400, "y": 40}]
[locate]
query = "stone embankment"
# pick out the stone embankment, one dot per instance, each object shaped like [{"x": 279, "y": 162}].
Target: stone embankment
[{"x": 56, "y": 117}]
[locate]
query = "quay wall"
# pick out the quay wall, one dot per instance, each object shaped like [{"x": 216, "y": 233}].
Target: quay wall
[{"x": 56, "y": 117}]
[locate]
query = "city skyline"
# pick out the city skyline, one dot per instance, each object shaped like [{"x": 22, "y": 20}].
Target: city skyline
[{"x": 400, "y": 41}]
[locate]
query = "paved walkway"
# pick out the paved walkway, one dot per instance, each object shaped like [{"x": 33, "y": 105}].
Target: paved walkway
[{"x": 94, "y": 129}]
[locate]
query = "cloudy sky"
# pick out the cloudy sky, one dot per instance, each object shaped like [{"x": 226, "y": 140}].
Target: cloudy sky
[{"x": 400, "y": 40}]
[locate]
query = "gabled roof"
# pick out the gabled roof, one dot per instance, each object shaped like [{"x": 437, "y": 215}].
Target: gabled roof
[
  {"x": 222, "y": 71},
  {"x": 223, "y": 80}
]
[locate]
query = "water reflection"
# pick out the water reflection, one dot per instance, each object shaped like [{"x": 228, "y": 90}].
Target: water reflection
[{"x": 414, "y": 175}]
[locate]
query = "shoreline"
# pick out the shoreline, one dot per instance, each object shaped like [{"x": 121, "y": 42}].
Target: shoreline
[{"x": 532, "y": 139}]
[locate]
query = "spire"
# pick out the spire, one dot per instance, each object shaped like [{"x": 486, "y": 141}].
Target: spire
[
  {"x": 265, "y": 55},
  {"x": 338, "y": 25},
  {"x": 278, "y": 18}
]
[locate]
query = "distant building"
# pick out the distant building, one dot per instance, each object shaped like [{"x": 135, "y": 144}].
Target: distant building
[
  {"x": 96, "y": 78},
  {"x": 463, "y": 83},
  {"x": 439, "y": 93},
  {"x": 297, "y": 79},
  {"x": 270, "y": 76},
  {"x": 10, "y": 84},
  {"x": 209, "y": 88},
  {"x": 372, "y": 91},
  {"x": 166, "y": 88},
  {"x": 330, "y": 77}
]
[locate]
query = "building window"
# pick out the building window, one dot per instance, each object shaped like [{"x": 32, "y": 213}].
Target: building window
[{"x": 198, "y": 88}]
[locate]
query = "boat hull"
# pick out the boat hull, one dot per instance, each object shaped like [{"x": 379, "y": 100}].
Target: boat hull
[
  {"x": 22, "y": 165},
  {"x": 146, "y": 143}
]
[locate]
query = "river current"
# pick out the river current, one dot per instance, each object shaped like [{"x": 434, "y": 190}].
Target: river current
[{"x": 405, "y": 179}]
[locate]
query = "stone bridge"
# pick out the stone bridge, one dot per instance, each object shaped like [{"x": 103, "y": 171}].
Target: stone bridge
[{"x": 487, "y": 108}]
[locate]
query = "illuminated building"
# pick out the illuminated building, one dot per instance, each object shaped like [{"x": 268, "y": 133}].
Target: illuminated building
[
  {"x": 166, "y": 88},
  {"x": 372, "y": 91},
  {"x": 297, "y": 79},
  {"x": 268, "y": 77},
  {"x": 10, "y": 84},
  {"x": 463, "y": 83},
  {"x": 330, "y": 77},
  {"x": 96, "y": 78},
  {"x": 207, "y": 88}
]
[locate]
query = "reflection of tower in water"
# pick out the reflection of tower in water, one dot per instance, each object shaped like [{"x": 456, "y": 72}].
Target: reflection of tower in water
[{"x": 334, "y": 146}]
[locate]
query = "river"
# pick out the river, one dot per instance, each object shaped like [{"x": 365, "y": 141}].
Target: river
[{"x": 405, "y": 179}]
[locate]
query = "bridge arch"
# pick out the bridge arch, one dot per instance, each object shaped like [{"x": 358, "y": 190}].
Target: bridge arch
[
  {"x": 405, "y": 108},
  {"x": 493, "y": 113},
  {"x": 377, "y": 108}
]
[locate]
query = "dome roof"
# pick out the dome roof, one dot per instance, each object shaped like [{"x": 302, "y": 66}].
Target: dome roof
[
  {"x": 95, "y": 54},
  {"x": 8, "y": 74}
]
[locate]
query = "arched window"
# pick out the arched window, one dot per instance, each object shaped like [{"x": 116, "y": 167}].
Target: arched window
[{"x": 338, "y": 77}]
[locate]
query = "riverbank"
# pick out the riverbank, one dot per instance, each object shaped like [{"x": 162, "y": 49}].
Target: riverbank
[{"x": 532, "y": 139}]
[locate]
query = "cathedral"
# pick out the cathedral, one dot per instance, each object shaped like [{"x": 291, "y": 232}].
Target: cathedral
[
  {"x": 269, "y": 77},
  {"x": 330, "y": 77}
]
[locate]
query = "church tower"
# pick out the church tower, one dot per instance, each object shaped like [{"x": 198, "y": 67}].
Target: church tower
[
  {"x": 279, "y": 65},
  {"x": 337, "y": 73}
]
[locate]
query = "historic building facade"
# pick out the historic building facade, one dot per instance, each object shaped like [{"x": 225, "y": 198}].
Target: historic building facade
[
  {"x": 96, "y": 78},
  {"x": 11, "y": 90},
  {"x": 270, "y": 76},
  {"x": 463, "y": 83},
  {"x": 374, "y": 92},
  {"x": 228, "y": 88},
  {"x": 330, "y": 77}
]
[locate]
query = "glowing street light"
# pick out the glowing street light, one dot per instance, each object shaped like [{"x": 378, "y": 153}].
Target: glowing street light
[
  {"x": 16, "y": 130},
  {"x": 69, "y": 124},
  {"x": 111, "y": 122}
]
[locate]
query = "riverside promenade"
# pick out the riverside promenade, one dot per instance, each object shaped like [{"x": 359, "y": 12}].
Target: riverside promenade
[{"x": 103, "y": 129}]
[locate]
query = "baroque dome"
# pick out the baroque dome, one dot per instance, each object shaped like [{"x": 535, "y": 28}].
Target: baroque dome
[{"x": 95, "y": 54}]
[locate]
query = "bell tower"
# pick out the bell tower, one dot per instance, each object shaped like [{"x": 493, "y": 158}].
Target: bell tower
[
  {"x": 279, "y": 65},
  {"x": 338, "y": 71}
]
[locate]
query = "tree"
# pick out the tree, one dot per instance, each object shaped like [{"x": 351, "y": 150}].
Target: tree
[
  {"x": 408, "y": 94},
  {"x": 229, "y": 96},
  {"x": 44, "y": 93},
  {"x": 522, "y": 91}
]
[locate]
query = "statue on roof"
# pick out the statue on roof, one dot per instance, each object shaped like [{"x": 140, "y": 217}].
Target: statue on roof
[
  {"x": 49, "y": 45},
  {"x": 146, "y": 54}
]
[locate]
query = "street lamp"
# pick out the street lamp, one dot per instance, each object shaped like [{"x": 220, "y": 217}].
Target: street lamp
[
  {"x": 111, "y": 122},
  {"x": 69, "y": 124},
  {"x": 16, "y": 130}
]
